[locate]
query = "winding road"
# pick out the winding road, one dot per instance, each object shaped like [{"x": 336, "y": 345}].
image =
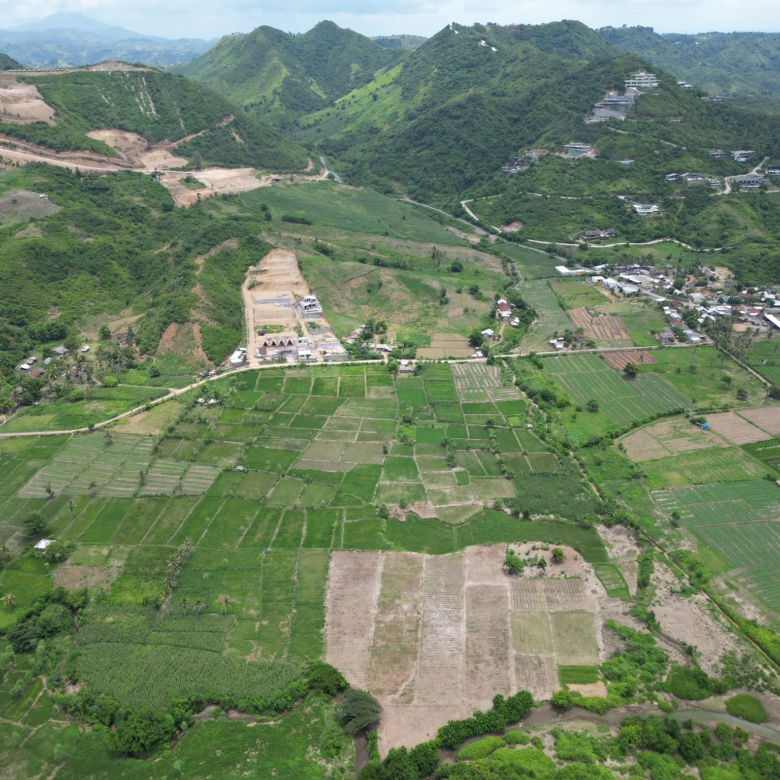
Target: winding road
[{"x": 329, "y": 172}]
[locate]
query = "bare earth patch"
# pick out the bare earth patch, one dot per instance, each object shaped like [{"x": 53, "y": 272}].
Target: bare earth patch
[
  {"x": 72, "y": 577},
  {"x": 605, "y": 327},
  {"x": 22, "y": 104},
  {"x": 619, "y": 360},
  {"x": 736, "y": 429},
  {"x": 668, "y": 437},
  {"x": 767, "y": 418},
  {"x": 436, "y": 637},
  {"x": 21, "y": 205}
]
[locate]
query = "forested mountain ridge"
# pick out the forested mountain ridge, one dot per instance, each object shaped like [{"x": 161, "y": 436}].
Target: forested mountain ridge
[
  {"x": 158, "y": 106},
  {"x": 734, "y": 64},
  {"x": 278, "y": 76},
  {"x": 8, "y": 63}
]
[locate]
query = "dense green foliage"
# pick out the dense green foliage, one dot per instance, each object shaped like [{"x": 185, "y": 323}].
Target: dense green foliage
[
  {"x": 747, "y": 707},
  {"x": 316, "y": 68}
]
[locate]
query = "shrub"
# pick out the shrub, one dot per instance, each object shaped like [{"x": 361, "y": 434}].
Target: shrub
[
  {"x": 110, "y": 381},
  {"x": 358, "y": 710},
  {"x": 563, "y": 700},
  {"x": 33, "y": 524},
  {"x": 480, "y": 749},
  {"x": 747, "y": 707},
  {"x": 327, "y": 679},
  {"x": 516, "y": 738},
  {"x": 691, "y": 684}
]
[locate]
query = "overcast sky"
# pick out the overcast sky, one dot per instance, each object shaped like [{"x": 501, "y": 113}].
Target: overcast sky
[{"x": 210, "y": 18}]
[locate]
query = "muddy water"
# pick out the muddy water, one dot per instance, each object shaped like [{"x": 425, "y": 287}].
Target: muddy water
[{"x": 547, "y": 714}]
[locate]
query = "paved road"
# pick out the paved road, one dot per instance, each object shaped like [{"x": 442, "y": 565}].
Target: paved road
[
  {"x": 329, "y": 172},
  {"x": 730, "y": 179}
]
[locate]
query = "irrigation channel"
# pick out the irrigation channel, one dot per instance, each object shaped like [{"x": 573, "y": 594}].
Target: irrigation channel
[{"x": 546, "y": 714}]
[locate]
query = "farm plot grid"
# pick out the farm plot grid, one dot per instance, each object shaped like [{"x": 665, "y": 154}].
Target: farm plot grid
[
  {"x": 623, "y": 400},
  {"x": 434, "y": 636}
]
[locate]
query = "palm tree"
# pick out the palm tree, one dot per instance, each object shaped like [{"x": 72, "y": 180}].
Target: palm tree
[
  {"x": 188, "y": 545},
  {"x": 185, "y": 605},
  {"x": 5, "y": 555},
  {"x": 9, "y": 600},
  {"x": 173, "y": 565},
  {"x": 71, "y": 506},
  {"x": 170, "y": 581},
  {"x": 225, "y": 601},
  {"x": 93, "y": 487},
  {"x": 200, "y": 605},
  {"x": 108, "y": 438}
]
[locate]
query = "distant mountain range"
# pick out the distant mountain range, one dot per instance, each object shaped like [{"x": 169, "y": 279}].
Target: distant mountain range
[{"x": 69, "y": 39}]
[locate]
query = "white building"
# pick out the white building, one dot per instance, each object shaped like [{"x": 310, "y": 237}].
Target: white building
[
  {"x": 487, "y": 333},
  {"x": 310, "y": 307},
  {"x": 643, "y": 209},
  {"x": 642, "y": 80}
]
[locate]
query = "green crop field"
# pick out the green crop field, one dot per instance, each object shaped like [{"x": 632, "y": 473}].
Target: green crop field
[
  {"x": 623, "y": 400},
  {"x": 716, "y": 464}
]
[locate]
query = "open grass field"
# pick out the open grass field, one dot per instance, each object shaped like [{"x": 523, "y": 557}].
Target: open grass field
[
  {"x": 623, "y": 400},
  {"x": 698, "y": 375},
  {"x": 552, "y": 318},
  {"x": 577, "y": 293},
  {"x": 717, "y": 464}
]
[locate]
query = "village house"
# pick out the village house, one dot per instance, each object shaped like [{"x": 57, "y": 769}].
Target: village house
[
  {"x": 577, "y": 149},
  {"x": 503, "y": 309},
  {"x": 717, "y": 154},
  {"x": 666, "y": 336},
  {"x": 742, "y": 155},
  {"x": 488, "y": 333},
  {"x": 310, "y": 307}
]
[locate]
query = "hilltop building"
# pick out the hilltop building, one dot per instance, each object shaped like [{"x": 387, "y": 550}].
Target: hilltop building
[{"x": 643, "y": 80}]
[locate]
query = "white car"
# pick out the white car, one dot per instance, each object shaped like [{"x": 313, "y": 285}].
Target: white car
[{"x": 85, "y": 348}]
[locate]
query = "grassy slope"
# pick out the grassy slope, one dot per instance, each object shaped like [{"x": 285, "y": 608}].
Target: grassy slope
[
  {"x": 158, "y": 106},
  {"x": 8, "y": 63}
]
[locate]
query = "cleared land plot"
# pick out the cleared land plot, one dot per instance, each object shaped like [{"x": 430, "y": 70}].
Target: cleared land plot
[
  {"x": 603, "y": 327},
  {"x": 735, "y": 429},
  {"x": 446, "y": 345},
  {"x": 623, "y": 400},
  {"x": 764, "y": 582},
  {"x": 767, "y": 418},
  {"x": 445, "y": 633},
  {"x": 666, "y": 438},
  {"x": 619, "y": 360}
]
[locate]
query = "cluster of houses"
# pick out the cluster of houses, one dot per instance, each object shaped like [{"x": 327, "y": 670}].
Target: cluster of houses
[
  {"x": 504, "y": 313},
  {"x": 595, "y": 235},
  {"x": 692, "y": 178},
  {"x": 29, "y": 364},
  {"x": 301, "y": 349},
  {"x": 522, "y": 163}
]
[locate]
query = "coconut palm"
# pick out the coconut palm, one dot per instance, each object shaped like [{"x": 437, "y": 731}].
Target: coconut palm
[
  {"x": 224, "y": 601},
  {"x": 200, "y": 605},
  {"x": 93, "y": 487},
  {"x": 9, "y": 600},
  {"x": 5, "y": 555},
  {"x": 170, "y": 581},
  {"x": 185, "y": 605}
]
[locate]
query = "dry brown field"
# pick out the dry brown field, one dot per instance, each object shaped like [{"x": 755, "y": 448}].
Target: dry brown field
[
  {"x": 640, "y": 357},
  {"x": 767, "y": 418},
  {"x": 436, "y": 637},
  {"x": 446, "y": 345},
  {"x": 605, "y": 327},
  {"x": 735, "y": 428}
]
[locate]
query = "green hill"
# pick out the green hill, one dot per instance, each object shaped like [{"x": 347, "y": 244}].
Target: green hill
[
  {"x": 400, "y": 41},
  {"x": 278, "y": 76},
  {"x": 157, "y": 106},
  {"x": 730, "y": 64},
  {"x": 8, "y": 63}
]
